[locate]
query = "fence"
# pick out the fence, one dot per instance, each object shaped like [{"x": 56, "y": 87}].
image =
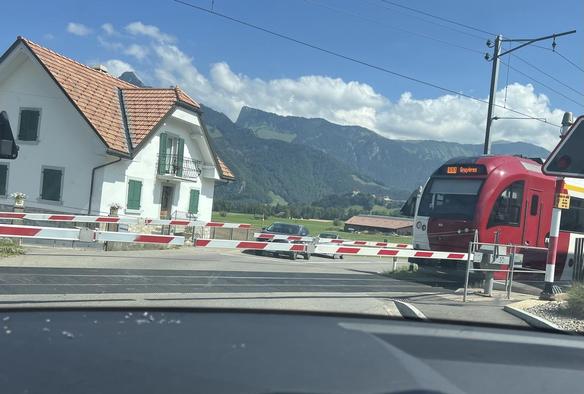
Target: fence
[{"x": 494, "y": 257}]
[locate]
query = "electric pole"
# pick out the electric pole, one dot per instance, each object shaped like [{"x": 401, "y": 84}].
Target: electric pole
[
  {"x": 492, "y": 92},
  {"x": 495, "y": 74}
]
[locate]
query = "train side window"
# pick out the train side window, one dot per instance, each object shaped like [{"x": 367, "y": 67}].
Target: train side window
[
  {"x": 573, "y": 218},
  {"x": 507, "y": 208},
  {"x": 534, "y": 207}
]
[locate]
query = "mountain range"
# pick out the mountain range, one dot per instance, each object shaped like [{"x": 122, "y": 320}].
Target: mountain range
[{"x": 290, "y": 159}]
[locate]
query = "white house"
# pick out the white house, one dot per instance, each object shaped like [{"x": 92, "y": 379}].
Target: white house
[{"x": 89, "y": 140}]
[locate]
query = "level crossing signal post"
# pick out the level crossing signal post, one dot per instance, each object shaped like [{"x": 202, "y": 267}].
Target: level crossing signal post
[{"x": 563, "y": 161}]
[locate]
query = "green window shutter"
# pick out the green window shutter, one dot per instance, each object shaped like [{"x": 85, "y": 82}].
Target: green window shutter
[
  {"x": 180, "y": 157},
  {"x": 29, "y": 124},
  {"x": 134, "y": 194},
  {"x": 3, "y": 179},
  {"x": 162, "y": 159},
  {"x": 194, "y": 201},
  {"x": 51, "y": 187}
]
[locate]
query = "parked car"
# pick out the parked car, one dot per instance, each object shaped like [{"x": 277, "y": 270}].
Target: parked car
[
  {"x": 328, "y": 235},
  {"x": 278, "y": 228}
]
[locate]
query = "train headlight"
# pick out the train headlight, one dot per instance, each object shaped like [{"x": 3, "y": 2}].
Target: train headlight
[
  {"x": 423, "y": 227},
  {"x": 419, "y": 225}
]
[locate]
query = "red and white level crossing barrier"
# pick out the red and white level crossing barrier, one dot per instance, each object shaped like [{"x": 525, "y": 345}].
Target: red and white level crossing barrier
[
  {"x": 387, "y": 252},
  {"x": 327, "y": 249},
  {"x": 68, "y": 218},
  {"x": 270, "y": 237},
  {"x": 251, "y": 245},
  {"x": 119, "y": 220},
  {"x": 194, "y": 223},
  {"x": 347, "y": 242},
  {"x": 86, "y": 235}
]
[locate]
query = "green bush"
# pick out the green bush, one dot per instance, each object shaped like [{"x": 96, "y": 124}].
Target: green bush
[
  {"x": 576, "y": 301},
  {"x": 223, "y": 214},
  {"x": 336, "y": 222},
  {"x": 9, "y": 248}
]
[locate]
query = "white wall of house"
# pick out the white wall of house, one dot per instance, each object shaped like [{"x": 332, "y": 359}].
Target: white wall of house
[
  {"x": 114, "y": 179},
  {"x": 65, "y": 139}
]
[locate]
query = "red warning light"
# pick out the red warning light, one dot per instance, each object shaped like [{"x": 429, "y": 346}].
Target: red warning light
[{"x": 564, "y": 162}]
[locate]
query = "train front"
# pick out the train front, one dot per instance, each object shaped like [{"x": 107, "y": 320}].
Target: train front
[{"x": 445, "y": 212}]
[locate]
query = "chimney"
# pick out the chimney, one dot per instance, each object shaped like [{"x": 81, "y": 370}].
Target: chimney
[{"x": 100, "y": 67}]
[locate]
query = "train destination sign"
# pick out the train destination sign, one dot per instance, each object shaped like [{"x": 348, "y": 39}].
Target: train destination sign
[{"x": 463, "y": 169}]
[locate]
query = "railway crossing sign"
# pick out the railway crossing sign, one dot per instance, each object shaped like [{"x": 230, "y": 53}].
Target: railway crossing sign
[{"x": 567, "y": 158}]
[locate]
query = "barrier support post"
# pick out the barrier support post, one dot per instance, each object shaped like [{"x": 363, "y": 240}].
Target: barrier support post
[{"x": 550, "y": 290}]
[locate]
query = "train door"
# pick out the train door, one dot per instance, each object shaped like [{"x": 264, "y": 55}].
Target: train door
[
  {"x": 506, "y": 219},
  {"x": 532, "y": 216}
]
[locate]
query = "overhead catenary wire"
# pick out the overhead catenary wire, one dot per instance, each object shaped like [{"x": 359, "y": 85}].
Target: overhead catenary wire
[
  {"x": 395, "y": 28},
  {"x": 352, "y": 59},
  {"x": 542, "y": 84},
  {"x": 438, "y": 17},
  {"x": 569, "y": 61},
  {"x": 467, "y": 33},
  {"x": 549, "y": 75}
]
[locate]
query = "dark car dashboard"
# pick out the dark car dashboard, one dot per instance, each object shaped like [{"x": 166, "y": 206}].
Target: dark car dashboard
[{"x": 222, "y": 351}]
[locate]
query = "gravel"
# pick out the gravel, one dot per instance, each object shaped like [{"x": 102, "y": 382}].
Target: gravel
[{"x": 556, "y": 313}]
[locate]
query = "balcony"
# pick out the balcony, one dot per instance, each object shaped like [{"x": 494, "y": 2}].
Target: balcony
[{"x": 177, "y": 166}]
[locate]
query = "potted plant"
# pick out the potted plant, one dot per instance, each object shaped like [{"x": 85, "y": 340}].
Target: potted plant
[
  {"x": 114, "y": 208},
  {"x": 18, "y": 199}
]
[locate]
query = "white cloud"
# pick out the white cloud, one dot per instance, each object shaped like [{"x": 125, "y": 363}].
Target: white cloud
[
  {"x": 138, "y": 28},
  {"x": 48, "y": 36},
  {"x": 116, "y": 67},
  {"x": 111, "y": 45},
  {"x": 137, "y": 51},
  {"x": 108, "y": 28},
  {"x": 444, "y": 117},
  {"x": 78, "y": 29}
]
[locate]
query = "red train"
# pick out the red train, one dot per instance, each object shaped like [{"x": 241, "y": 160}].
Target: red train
[{"x": 504, "y": 197}]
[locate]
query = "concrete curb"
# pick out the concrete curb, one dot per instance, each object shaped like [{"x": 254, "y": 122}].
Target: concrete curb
[
  {"x": 408, "y": 311},
  {"x": 530, "y": 318}
]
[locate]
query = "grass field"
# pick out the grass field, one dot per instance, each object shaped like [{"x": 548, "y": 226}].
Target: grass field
[{"x": 314, "y": 226}]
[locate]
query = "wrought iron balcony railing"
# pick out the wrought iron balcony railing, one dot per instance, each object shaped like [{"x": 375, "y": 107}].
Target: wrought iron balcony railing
[{"x": 179, "y": 166}]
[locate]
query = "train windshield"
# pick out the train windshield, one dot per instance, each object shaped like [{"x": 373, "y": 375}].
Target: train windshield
[{"x": 450, "y": 198}]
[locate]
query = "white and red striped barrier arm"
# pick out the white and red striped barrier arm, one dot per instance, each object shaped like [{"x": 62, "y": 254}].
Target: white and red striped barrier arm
[
  {"x": 60, "y": 234},
  {"x": 103, "y": 236},
  {"x": 386, "y": 252},
  {"x": 250, "y": 245},
  {"x": 348, "y": 242},
  {"x": 85, "y": 235},
  {"x": 115, "y": 219},
  {"x": 68, "y": 218},
  {"x": 270, "y": 237},
  {"x": 193, "y": 223}
]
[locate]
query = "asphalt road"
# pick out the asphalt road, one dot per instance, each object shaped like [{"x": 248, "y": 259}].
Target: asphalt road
[{"x": 215, "y": 278}]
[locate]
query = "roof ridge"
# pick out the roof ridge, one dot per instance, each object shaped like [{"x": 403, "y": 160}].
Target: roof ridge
[{"x": 106, "y": 74}]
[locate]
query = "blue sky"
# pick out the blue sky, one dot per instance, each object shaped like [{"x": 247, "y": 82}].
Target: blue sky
[{"x": 228, "y": 65}]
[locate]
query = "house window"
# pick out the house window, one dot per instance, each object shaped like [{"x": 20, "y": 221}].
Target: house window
[
  {"x": 171, "y": 155},
  {"x": 194, "y": 201},
  {"x": 507, "y": 209},
  {"x": 28, "y": 129},
  {"x": 134, "y": 194},
  {"x": 51, "y": 184},
  {"x": 3, "y": 178}
]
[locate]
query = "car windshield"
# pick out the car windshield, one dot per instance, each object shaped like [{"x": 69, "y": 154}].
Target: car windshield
[
  {"x": 284, "y": 228},
  {"x": 309, "y": 156}
]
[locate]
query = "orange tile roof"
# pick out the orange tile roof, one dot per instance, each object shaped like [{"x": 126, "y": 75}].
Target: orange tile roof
[
  {"x": 225, "y": 171},
  {"x": 96, "y": 94}
]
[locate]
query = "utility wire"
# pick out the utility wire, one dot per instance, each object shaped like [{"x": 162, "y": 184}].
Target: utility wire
[
  {"x": 385, "y": 25},
  {"x": 569, "y": 61},
  {"x": 438, "y": 17},
  {"x": 482, "y": 38},
  {"x": 352, "y": 59},
  {"x": 549, "y": 75},
  {"x": 542, "y": 84}
]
